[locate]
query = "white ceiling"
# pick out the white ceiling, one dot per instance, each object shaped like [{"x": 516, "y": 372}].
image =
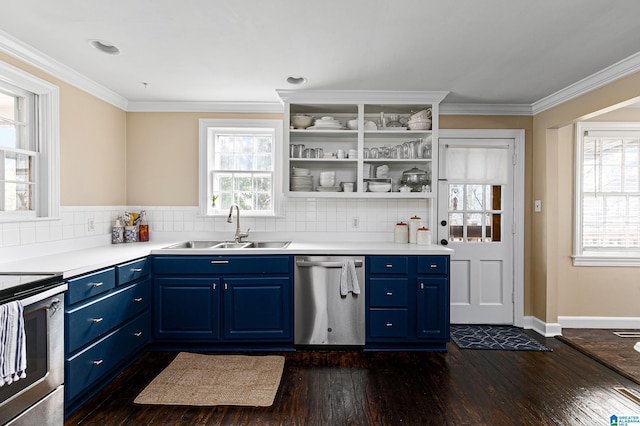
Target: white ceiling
[{"x": 483, "y": 52}]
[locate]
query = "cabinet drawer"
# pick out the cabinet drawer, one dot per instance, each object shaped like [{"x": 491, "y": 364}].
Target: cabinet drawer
[
  {"x": 97, "y": 360},
  {"x": 90, "y": 285},
  {"x": 216, "y": 265},
  {"x": 132, "y": 271},
  {"x": 388, "y": 292},
  {"x": 388, "y": 264},
  {"x": 433, "y": 265},
  {"x": 93, "y": 319},
  {"x": 389, "y": 323}
]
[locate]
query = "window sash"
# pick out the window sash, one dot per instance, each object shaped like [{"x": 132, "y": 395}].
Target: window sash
[
  {"x": 607, "y": 203},
  {"x": 239, "y": 160}
]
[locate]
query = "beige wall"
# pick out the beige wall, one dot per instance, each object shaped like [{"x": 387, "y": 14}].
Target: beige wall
[
  {"x": 559, "y": 288},
  {"x": 92, "y": 146},
  {"x": 162, "y": 157}
]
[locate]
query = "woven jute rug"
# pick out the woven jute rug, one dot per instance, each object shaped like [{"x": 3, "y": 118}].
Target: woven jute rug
[{"x": 207, "y": 380}]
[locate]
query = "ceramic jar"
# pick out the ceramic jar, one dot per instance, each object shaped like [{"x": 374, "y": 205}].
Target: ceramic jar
[{"x": 401, "y": 233}]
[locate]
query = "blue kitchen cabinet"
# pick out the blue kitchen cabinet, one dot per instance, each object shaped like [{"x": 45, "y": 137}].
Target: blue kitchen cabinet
[
  {"x": 187, "y": 308},
  {"x": 223, "y": 300},
  {"x": 407, "y": 302},
  {"x": 107, "y": 325}
]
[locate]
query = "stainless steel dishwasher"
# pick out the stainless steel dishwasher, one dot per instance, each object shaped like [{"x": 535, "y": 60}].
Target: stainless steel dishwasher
[{"x": 323, "y": 316}]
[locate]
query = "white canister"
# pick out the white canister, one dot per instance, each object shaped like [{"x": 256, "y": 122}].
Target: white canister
[
  {"x": 424, "y": 236},
  {"x": 414, "y": 224},
  {"x": 401, "y": 233}
]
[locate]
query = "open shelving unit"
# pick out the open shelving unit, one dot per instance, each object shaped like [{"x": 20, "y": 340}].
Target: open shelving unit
[{"x": 363, "y": 106}]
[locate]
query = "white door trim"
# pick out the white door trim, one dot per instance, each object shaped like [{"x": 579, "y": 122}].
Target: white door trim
[{"x": 518, "y": 204}]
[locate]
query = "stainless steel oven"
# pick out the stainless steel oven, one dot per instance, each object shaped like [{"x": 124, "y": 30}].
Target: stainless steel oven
[{"x": 38, "y": 398}]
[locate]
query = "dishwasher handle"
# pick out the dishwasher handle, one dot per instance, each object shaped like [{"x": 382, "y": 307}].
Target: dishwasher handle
[{"x": 325, "y": 264}]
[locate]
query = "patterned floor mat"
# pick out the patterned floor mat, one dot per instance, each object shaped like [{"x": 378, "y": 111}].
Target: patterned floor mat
[{"x": 504, "y": 338}]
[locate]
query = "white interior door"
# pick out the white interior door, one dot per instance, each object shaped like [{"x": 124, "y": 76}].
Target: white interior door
[{"x": 476, "y": 219}]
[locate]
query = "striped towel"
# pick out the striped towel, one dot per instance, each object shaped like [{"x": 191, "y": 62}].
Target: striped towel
[{"x": 13, "y": 343}]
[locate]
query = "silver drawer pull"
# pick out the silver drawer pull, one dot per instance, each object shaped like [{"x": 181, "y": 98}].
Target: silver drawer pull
[
  {"x": 434, "y": 266},
  {"x": 138, "y": 334},
  {"x": 219, "y": 262},
  {"x": 96, "y": 285},
  {"x": 98, "y": 362},
  {"x": 389, "y": 293},
  {"x": 421, "y": 286},
  {"x": 389, "y": 266},
  {"x": 214, "y": 286},
  {"x": 136, "y": 270},
  {"x": 389, "y": 324},
  {"x": 137, "y": 299},
  {"x": 97, "y": 320}
]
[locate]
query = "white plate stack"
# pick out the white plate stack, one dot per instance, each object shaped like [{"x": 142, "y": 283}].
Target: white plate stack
[
  {"x": 301, "y": 180},
  {"x": 326, "y": 123}
]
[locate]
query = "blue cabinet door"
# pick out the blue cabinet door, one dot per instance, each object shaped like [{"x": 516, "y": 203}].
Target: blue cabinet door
[
  {"x": 187, "y": 308},
  {"x": 433, "y": 308},
  {"x": 258, "y": 308}
]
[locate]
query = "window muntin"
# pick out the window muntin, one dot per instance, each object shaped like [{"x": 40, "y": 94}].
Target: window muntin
[
  {"x": 607, "y": 190},
  {"x": 241, "y": 160}
]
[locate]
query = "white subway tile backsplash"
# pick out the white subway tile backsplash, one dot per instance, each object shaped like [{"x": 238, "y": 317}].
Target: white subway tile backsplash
[{"x": 313, "y": 217}]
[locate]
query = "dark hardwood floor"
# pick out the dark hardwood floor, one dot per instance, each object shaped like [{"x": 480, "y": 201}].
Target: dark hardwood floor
[{"x": 460, "y": 387}]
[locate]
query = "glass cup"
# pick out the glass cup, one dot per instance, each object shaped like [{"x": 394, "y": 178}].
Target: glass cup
[{"x": 319, "y": 153}]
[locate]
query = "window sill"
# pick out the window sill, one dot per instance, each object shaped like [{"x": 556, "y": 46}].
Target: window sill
[{"x": 609, "y": 259}]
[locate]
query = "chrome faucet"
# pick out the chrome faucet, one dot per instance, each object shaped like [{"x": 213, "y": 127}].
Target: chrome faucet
[{"x": 239, "y": 234}]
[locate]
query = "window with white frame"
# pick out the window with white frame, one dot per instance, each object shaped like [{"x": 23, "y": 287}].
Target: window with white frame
[
  {"x": 607, "y": 204},
  {"x": 239, "y": 164},
  {"x": 29, "y": 162}
]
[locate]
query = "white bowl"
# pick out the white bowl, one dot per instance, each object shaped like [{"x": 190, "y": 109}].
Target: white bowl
[
  {"x": 301, "y": 121},
  {"x": 379, "y": 186},
  {"x": 419, "y": 124},
  {"x": 425, "y": 114},
  {"x": 297, "y": 171},
  {"x": 352, "y": 124}
]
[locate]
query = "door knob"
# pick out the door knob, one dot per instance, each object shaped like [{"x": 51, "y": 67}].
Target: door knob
[
  {"x": 444, "y": 242},
  {"x": 443, "y": 223}
]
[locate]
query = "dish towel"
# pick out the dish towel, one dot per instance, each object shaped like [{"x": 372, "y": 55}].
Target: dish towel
[
  {"x": 13, "y": 343},
  {"x": 348, "y": 278}
]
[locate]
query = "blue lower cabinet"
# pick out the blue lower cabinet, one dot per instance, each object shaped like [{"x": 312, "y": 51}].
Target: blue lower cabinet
[
  {"x": 407, "y": 302},
  {"x": 187, "y": 308},
  {"x": 222, "y": 299},
  {"x": 93, "y": 363},
  {"x": 107, "y": 324},
  {"x": 257, "y": 308},
  {"x": 433, "y": 308}
]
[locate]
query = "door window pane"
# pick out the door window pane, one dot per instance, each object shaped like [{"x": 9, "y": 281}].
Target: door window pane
[{"x": 478, "y": 218}]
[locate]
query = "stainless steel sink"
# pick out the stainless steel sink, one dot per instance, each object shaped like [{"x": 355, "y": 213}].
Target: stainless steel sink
[
  {"x": 194, "y": 245},
  {"x": 269, "y": 244},
  {"x": 230, "y": 245}
]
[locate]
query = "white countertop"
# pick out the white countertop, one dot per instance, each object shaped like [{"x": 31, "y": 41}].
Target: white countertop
[{"x": 77, "y": 262}]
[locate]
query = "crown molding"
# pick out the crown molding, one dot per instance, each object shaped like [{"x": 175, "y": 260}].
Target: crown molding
[
  {"x": 27, "y": 54},
  {"x": 485, "y": 109},
  {"x": 601, "y": 78},
  {"x": 230, "y": 107}
]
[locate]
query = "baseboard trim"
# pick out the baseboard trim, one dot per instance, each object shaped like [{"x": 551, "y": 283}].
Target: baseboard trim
[
  {"x": 600, "y": 322},
  {"x": 541, "y": 327}
]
